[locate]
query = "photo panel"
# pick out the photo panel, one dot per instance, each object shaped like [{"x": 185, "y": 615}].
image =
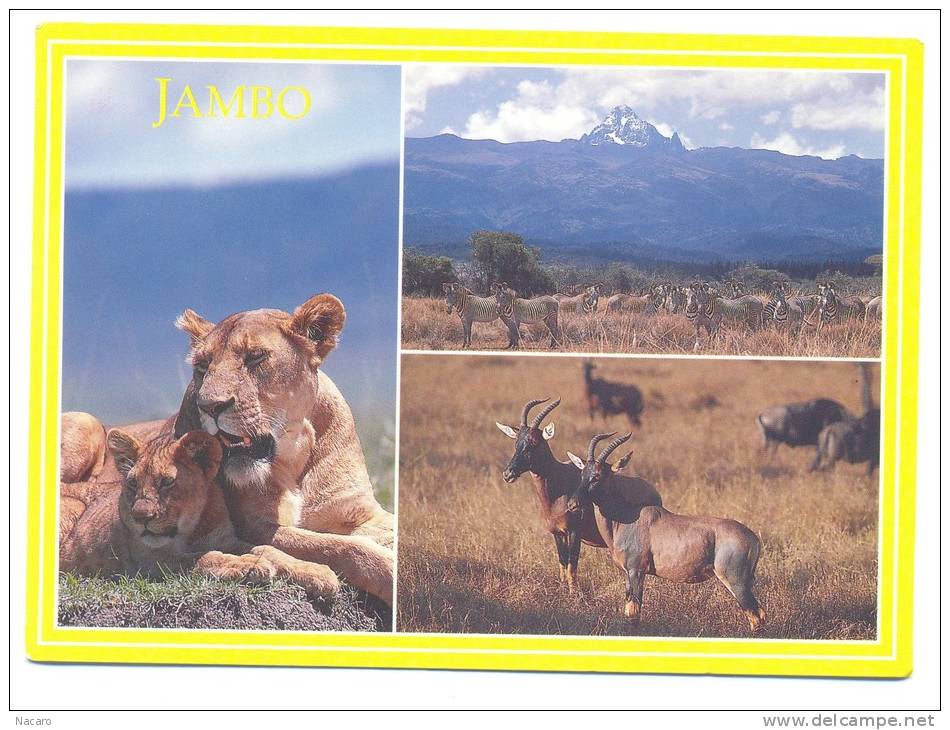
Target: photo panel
[
  {"x": 644, "y": 210},
  {"x": 230, "y": 257}
]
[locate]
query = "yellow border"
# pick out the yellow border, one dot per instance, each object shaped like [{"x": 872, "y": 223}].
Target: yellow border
[{"x": 888, "y": 656}]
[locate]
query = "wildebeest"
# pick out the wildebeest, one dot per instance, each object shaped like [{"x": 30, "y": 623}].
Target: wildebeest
[
  {"x": 854, "y": 440},
  {"x": 798, "y": 424},
  {"x": 611, "y": 398}
]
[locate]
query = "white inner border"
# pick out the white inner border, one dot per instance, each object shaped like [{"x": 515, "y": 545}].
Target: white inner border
[{"x": 410, "y": 49}]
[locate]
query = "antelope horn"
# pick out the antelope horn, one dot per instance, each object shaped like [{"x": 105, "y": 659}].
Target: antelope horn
[
  {"x": 527, "y": 408},
  {"x": 544, "y": 414},
  {"x": 594, "y": 441},
  {"x": 611, "y": 446}
]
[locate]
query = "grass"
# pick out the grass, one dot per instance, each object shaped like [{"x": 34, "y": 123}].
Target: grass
[
  {"x": 475, "y": 557},
  {"x": 427, "y": 326},
  {"x": 198, "y": 602}
]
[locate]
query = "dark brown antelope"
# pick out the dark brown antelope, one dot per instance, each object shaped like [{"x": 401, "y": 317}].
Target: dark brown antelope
[
  {"x": 650, "y": 540},
  {"x": 611, "y": 398},
  {"x": 554, "y": 483}
]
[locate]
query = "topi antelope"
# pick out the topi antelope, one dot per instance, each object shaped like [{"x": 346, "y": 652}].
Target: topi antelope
[
  {"x": 650, "y": 540},
  {"x": 611, "y": 398},
  {"x": 854, "y": 440},
  {"x": 798, "y": 424},
  {"x": 554, "y": 482}
]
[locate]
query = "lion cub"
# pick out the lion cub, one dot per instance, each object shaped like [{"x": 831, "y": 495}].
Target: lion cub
[{"x": 167, "y": 513}]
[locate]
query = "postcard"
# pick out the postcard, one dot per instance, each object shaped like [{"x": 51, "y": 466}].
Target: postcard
[{"x": 384, "y": 348}]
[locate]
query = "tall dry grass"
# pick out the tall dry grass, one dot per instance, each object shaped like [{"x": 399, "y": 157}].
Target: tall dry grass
[
  {"x": 427, "y": 326},
  {"x": 474, "y": 556}
]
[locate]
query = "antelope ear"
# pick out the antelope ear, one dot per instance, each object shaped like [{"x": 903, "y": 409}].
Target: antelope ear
[
  {"x": 320, "y": 320},
  {"x": 624, "y": 460},
  {"x": 507, "y": 430},
  {"x": 203, "y": 449},
  {"x": 548, "y": 432},
  {"x": 194, "y": 324},
  {"x": 576, "y": 460},
  {"x": 125, "y": 449}
]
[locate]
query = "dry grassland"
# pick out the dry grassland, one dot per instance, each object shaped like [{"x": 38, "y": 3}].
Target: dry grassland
[
  {"x": 474, "y": 556},
  {"x": 427, "y": 326}
]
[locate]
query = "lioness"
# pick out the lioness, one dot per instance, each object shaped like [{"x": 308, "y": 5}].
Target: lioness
[
  {"x": 167, "y": 513},
  {"x": 82, "y": 447},
  {"x": 256, "y": 380}
]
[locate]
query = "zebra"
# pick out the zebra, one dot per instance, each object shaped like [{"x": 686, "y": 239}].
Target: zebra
[
  {"x": 527, "y": 311},
  {"x": 471, "y": 308},
  {"x": 782, "y": 308},
  {"x": 832, "y": 308},
  {"x": 583, "y": 303},
  {"x": 790, "y": 312},
  {"x": 706, "y": 310},
  {"x": 669, "y": 297},
  {"x": 645, "y": 303}
]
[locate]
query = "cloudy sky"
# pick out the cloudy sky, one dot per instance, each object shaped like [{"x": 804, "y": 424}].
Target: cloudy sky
[
  {"x": 796, "y": 112},
  {"x": 111, "y": 105}
]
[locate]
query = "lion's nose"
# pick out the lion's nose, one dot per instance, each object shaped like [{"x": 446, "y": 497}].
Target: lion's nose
[
  {"x": 144, "y": 510},
  {"x": 215, "y": 408}
]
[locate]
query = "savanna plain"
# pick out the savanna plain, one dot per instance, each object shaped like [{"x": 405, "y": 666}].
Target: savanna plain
[
  {"x": 427, "y": 326},
  {"x": 475, "y": 557}
]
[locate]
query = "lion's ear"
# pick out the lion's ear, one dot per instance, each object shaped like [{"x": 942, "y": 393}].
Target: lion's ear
[
  {"x": 320, "y": 320},
  {"x": 125, "y": 449},
  {"x": 203, "y": 449},
  {"x": 194, "y": 324}
]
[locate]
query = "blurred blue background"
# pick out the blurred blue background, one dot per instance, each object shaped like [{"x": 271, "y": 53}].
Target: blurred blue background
[{"x": 184, "y": 216}]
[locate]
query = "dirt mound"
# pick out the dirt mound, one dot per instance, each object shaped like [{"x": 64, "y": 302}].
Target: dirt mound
[{"x": 194, "y": 602}]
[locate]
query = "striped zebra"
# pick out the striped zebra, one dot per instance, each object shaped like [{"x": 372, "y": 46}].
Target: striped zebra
[
  {"x": 471, "y": 308},
  {"x": 583, "y": 303},
  {"x": 707, "y": 310},
  {"x": 783, "y": 309},
  {"x": 527, "y": 311},
  {"x": 832, "y": 308},
  {"x": 675, "y": 298},
  {"x": 645, "y": 303}
]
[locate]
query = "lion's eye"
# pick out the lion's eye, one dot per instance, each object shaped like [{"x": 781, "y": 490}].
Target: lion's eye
[
  {"x": 255, "y": 358},
  {"x": 166, "y": 482}
]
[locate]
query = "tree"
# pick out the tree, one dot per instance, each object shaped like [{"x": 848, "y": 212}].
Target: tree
[
  {"x": 422, "y": 274},
  {"x": 501, "y": 256}
]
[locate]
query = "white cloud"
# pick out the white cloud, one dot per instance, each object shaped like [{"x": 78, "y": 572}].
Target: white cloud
[
  {"x": 519, "y": 122},
  {"x": 863, "y": 112},
  {"x": 570, "y": 106},
  {"x": 420, "y": 79},
  {"x": 788, "y": 145},
  {"x": 726, "y": 127}
]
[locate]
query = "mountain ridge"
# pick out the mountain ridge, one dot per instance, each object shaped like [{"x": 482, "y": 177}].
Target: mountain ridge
[{"x": 625, "y": 184}]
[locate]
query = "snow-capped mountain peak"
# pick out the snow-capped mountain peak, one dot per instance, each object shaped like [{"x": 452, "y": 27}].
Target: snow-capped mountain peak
[{"x": 622, "y": 126}]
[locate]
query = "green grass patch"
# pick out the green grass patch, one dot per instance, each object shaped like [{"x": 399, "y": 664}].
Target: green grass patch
[{"x": 188, "y": 601}]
